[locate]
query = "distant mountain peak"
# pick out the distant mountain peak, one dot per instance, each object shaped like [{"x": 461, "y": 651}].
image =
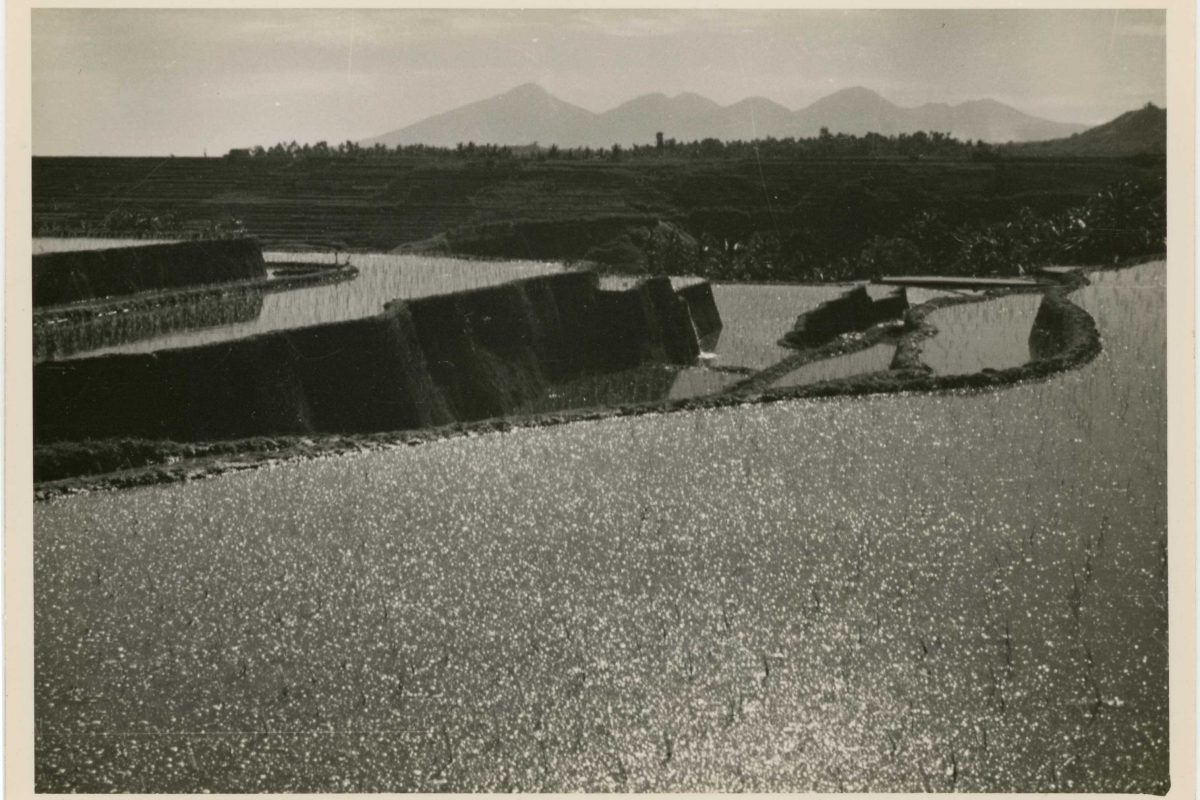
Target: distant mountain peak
[
  {"x": 645, "y": 99},
  {"x": 857, "y": 91},
  {"x": 986, "y": 102},
  {"x": 528, "y": 113},
  {"x": 859, "y": 95},
  {"x": 529, "y": 88},
  {"x": 756, "y": 100}
]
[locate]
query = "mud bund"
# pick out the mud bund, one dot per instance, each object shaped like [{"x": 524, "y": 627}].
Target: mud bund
[
  {"x": 1059, "y": 328},
  {"x": 76, "y": 275},
  {"x": 67, "y": 337},
  {"x": 420, "y": 363},
  {"x": 852, "y": 311}
]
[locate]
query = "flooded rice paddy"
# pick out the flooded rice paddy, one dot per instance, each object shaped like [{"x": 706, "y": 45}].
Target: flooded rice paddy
[
  {"x": 896, "y": 593},
  {"x": 873, "y": 359},
  {"x": 381, "y": 278},
  {"x": 649, "y": 383},
  {"x": 52, "y": 244},
  {"x": 755, "y": 316},
  {"x": 993, "y": 334}
]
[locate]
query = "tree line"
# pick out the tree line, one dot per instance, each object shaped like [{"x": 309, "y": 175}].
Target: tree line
[{"x": 825, "y": 145}]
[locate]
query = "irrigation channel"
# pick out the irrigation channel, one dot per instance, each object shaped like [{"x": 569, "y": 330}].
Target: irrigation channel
[{"x": 905, "y": 592}]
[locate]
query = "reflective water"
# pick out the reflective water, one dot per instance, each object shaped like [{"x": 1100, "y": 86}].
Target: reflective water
[
  {"x": 872, "y": 359},
  {"x": 755, "y": 316},
  {"x": 618, "y": 282},
  {"x": 698, "y": 382},
  {"x": 49, "y": 244},
  {"x": 989, "y": 334},
  {"x": 650, "y": 383},
  {"x": 957, "y": 592}
]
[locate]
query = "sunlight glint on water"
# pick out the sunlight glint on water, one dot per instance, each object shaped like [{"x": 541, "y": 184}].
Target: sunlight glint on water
[{"x": 796, "y": 596}]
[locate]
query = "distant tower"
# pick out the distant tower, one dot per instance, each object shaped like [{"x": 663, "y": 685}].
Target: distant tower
[{"x": 658, "y": 137}]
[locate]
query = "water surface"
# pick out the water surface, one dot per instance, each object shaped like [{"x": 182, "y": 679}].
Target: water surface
[
  {"x": 961, "y": 591},
  {"x": 755, "y": 316},
  {"x": 975, "y": 336},
  {"x": 52, "y": 244},
  {"x": 872, "y": 359}
]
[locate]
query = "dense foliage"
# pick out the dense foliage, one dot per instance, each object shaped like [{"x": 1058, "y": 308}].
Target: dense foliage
[
  {"x": 1125, "y": 219},
  {"x": 133, "y": 223},
  {"x": 762, "y": 216}
]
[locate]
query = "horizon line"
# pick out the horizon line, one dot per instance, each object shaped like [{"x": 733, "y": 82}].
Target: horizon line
[{"x": 535, "y": 84}]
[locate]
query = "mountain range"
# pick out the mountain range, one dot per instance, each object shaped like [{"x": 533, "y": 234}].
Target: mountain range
[{"x": 530, "y": 114}]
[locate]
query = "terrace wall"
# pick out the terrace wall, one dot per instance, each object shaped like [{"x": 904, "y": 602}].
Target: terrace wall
[
  {"x": 1061, "y": 329},
  {"x": 703, "y": 306},
  {"x": 75, "y": 275},
  {"x": 429, "y": 361}
]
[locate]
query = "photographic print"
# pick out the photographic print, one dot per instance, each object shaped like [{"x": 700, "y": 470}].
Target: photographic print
[{"x": 464, "y": 400}]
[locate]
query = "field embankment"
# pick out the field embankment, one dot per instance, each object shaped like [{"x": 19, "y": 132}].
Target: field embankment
[
  {"x": 58, "y": 335},
  {"x": 1067, "y": 334},
  {"x": 75, "y": 275},
  {"x": 419, "y": 363},
  {"x": 853, "y": 311},
  {"x": 61, "y": 331}
]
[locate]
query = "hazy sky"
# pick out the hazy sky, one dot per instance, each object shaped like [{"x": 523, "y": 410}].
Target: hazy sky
[{"x": 152, "y": 82}]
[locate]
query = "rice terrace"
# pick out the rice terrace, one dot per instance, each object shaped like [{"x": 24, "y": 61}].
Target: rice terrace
[{"x": 692, "y": 445}]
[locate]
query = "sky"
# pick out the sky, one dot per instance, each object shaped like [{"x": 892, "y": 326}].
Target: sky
[{"x": 186, "y": 82}]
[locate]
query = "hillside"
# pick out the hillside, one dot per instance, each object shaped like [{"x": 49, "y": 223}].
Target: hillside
[
  {"x": 529, "y": 113},
  {"x": 379, "y": 204},
  {"x": 1140, "y": 132}
]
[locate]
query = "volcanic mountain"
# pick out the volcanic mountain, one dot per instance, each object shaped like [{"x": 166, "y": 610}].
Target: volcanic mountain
[{"x": 529, "y": 114}]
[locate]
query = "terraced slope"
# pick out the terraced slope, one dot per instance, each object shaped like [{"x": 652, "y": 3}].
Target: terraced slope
[{"x": 379, "y": 204}]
